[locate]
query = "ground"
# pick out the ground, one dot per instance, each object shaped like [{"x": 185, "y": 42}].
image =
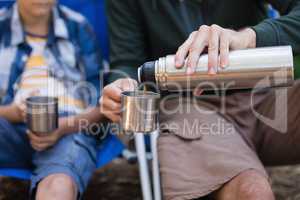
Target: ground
[{"x": 119, "y": 180}]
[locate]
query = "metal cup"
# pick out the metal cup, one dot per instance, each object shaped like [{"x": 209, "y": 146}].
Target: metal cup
[
  {"x": 139, "y": 111},
  {"x": 42, "y": 114}
]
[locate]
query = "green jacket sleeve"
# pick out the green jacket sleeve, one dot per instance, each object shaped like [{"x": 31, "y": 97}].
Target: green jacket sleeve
[
  {"x": 127, "y": 38},
  {"x": 282, "y": 31}
]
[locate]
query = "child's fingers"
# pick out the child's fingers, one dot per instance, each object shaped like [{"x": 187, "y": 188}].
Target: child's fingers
[
  {"x": 34, "y": 93},
  {"x": 36, "y": 138}
]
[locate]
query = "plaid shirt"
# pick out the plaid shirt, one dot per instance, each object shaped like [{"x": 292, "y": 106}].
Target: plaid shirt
[{"x": 71, "y": 52}]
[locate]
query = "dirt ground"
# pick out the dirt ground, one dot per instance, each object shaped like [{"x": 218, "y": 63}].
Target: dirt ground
[{"x": 119, "y": 181}]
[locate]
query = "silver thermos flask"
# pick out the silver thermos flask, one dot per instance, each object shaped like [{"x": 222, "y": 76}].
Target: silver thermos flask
[{"x": 247, "y": 69}]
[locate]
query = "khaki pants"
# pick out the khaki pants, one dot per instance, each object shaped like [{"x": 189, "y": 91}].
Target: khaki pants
[{"x": 204, "y": 143}]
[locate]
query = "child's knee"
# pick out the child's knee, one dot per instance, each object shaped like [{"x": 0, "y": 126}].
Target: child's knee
[{"x": 57, "y": 186}]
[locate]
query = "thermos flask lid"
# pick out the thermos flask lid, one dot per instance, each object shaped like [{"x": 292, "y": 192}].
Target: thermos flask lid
[{"x": 146, "y": 72}]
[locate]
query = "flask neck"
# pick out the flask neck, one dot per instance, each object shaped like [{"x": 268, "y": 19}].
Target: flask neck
[{"x": 146, "y": 72}]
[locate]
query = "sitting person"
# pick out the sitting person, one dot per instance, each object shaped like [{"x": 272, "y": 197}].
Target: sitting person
[
  {"x": 49, "y": 50},
  {"x": 216, "y": 146}
]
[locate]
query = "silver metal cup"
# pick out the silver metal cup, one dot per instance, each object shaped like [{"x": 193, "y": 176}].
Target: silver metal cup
[
  {"x": 139, "y": 111},
  {"x": 42, "y": 114}
]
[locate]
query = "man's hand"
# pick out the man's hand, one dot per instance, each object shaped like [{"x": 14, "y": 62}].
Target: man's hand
[
  {"x": 41, "y": 142},
  {"x": 218, "y": 41},
  {"x": 110, "y": 102}
]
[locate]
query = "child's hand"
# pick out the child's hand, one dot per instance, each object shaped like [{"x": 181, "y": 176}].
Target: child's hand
[
  {"x": 20, "y": 106},
  {"x": 17, "y": 113},
  {"x": 21, "y": 110},
  {"x": 41, "y": 142}
]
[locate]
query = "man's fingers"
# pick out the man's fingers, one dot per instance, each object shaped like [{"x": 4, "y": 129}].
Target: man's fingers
[
  {"x": 110, "y": 108},
  {"x": 110, "y": 102},
  {"x": 213, "y": 49},
  {"x": 128, "y": 84},
  {"x": 199, "y": 43},
  {"x": 114, "y": 117},
  {"x": 198, "y": 92},
  {"x": 112, "y": 92},
  {"x": 224, "y": 49},
  {"x": 183, "y": 50},
  {"x": 219, "y": 41},
  {"x": 109, "y": 105}
]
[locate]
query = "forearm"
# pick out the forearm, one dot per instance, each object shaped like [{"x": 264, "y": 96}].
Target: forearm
[
  {"x": 81, "y": 122},
  {"x": 250, "y": 37},
  {"x": 10, "y": 113},
  {"x": 282, "y": 31}
]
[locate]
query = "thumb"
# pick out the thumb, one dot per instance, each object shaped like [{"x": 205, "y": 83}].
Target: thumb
[
  {"x": 198, "y": 92},
  {"x": 128, "y": 85},
  {"x": 34, "y": 92}
]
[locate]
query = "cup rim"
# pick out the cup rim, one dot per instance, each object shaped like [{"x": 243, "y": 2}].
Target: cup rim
[
  {"x": 51, "y": 100},
  {"x": 140, "y": 94}
]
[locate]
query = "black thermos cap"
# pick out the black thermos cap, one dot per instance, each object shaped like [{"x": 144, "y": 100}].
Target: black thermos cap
[{"x": 147, "y": 72}]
